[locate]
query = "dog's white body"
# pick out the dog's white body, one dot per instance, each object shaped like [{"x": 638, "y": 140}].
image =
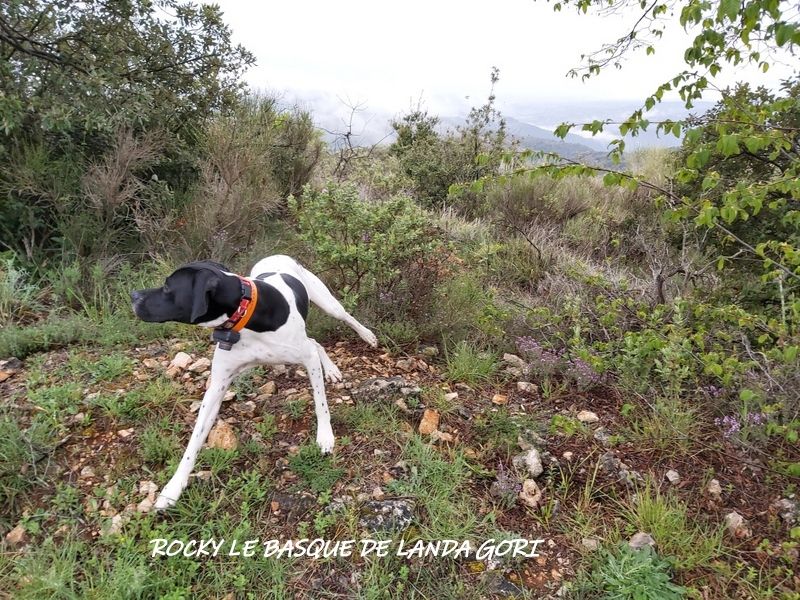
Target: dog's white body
[{"x": 289, "y": 344}]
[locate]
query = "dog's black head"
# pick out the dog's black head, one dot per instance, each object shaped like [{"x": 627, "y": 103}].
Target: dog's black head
[{"x": 195, "y": 293}]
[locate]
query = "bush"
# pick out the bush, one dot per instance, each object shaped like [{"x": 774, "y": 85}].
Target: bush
[
  {"x": 635, "y": 575},
  {"x": 385, "y": 256}
]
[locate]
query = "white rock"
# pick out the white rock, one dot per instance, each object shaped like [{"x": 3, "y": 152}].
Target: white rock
[
  {"x": 673, "y": 477},
  {"x": 530, "y": 495},
  {"x": 87, "y": 472},
  {"x": 181, "y": 361},
  {"x": 714, "y": 489},
  {"x": 526, "y": 386},
  {"x": 451, "y": 396},
  {"x": 125, "y": 433},
  {"x": 640, "y": 540},
  {"x": 531, "y": 461},
  {"x": 591, "y": 544},
  {"x": 201, "y": 365},
  {"x": 587, "y": 416},
  {"x": 16, "y": 536},
  {"x": 195, "y": 406},
  {"x": 737, "y": 526},
  {"x": 514, "y": 360}
]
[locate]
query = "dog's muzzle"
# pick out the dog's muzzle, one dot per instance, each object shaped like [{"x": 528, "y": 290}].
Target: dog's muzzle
[{"x": 136, "y": 300}]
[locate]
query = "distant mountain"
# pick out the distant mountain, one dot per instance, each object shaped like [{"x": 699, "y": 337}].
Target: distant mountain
[{"x": 531, "y": 123}]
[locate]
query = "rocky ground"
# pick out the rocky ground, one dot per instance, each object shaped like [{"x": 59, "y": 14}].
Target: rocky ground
[{"x": 519, "y": 462}]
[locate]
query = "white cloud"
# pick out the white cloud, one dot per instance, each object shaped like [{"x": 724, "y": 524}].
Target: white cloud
[{"x": 389, "y": 54}]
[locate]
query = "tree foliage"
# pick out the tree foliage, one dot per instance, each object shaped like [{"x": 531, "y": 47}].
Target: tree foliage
[
  {"x": 756, "y": 131},
  {"x": 435, "y": 160}
]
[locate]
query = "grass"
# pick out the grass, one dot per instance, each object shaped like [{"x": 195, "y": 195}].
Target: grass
[
  {"x": 368, "y": 419},
  {"x": 467, "y": 364},
  {"x": 315, "y": 469},
  {"x": 59, "y": 330},
  {"x": 439, "y": 482},
  {"x": 21, "y": 448},
  {"x": 500, "y": 429},
  {"x": 684, "y": 541},
  {"x": 668, "y": 425}
]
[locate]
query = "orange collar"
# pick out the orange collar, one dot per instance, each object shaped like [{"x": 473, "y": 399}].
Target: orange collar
[{"x": 247, "y": 306}]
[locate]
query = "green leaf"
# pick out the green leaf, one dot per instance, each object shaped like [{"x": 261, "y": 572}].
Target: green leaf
[
  {"x": 728, "y": 145},
  {"x": 729, "y": 9}
]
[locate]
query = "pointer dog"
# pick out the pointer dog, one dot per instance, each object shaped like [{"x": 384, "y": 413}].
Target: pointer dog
[{"x": 258, "y": 321}]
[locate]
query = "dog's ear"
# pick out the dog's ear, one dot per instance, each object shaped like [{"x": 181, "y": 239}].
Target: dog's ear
[{"x": 205, "y": 282}]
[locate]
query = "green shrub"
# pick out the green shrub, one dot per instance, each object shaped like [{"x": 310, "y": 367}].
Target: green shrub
[
  {"x": 384, "y": 255},
  {"x": 627, "y": 574},
  {"x": 468, "y": 364}
]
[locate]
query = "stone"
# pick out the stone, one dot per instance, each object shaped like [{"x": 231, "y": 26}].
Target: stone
[
  {"x": 500, "y": 399},
  {"x": 587, "y": 416},
  {"x": 714, "y": 489},
  {"x": 405, "y": 364},
  {"x": 530, "y": 495},
  {"x": 300, "y": 373},
  {"x": 531, "y": 461},
  {"x": 245, "y": 408},
  {"x": 378, "y": 493},
  {"x": 786, "y": 509},
  {"x": 222, "y": 436},
  {"x": 430, "y": 351},
  {"x": 145, "y": 506},
  {"x": 737, "y": 526},
  {"x": 641, "y": 540},
  {"x": 591, "y": 544},
  {"x": 514, "y": 361},
  {"x": 125, "y": 433},
  {"x": 5, "y": 375},
  {"x": 526, "y": 387},
  {"x": 450, "y": 397},
  {"x": 87, "y": 472},
  {"x": 181, "y": 361},
  {"x": 673, "y": 477},
  {"x": 412, "y": 390},
  {"x": 386, "y": 515},
  {"x": 194, "y": 406},
  {"x": 150, "y": 363},
  {"x": 229, "y": 395},
  {"x": 441, "y": 436},
  {"x": 115, "y": 527},
  {"x": 381, "y": 388},
  {"x": 602, "y": 436},
  {"x": 567, "y": 455},
  {"x": 401, "y": 404},
  {"x": 16, "y": 536},
  {"x": 268, "y": 388},
  {"x": 201, "y": 365},
  {"x": 429, "y": 422}
]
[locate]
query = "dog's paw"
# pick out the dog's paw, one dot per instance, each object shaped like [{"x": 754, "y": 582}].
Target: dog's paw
[
  {"x": 163, "y": 502},
  {"x": 370, "y": 338},
  {"x": 333, "y": 374},
  {"x": 168, "y": 496},
  {"x": 325, "y": 442}
]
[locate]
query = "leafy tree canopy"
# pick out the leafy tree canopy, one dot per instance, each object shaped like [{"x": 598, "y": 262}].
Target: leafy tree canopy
[{"x": 76, "y": 69}]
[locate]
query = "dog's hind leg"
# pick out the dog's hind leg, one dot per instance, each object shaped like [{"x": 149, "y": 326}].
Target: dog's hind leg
[
  {"x": 222, "y": 375},
  {"x": 332, "y": 372},
  {"x": 320, "y": 295},
  {"x": 313, "y": 366}
]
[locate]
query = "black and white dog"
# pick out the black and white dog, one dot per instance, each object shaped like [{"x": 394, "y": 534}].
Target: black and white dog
[{"x": 258, "y": 321}]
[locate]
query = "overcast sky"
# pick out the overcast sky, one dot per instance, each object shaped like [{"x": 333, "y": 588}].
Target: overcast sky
[{"x": 389, "y": 54}]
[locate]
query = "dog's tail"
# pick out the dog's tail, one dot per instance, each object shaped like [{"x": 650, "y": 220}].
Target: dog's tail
[{"x": 320, "y": 295}]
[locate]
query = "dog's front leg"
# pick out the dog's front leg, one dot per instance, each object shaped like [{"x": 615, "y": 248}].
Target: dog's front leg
[
  {"x": 222, "y": 375},
  {"x": 325, "y": 439}
]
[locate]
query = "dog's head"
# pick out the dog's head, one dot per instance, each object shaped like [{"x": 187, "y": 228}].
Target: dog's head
[{"x": 189, "y": 295}]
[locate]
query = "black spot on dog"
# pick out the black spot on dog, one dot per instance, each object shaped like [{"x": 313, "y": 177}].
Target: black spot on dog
[{"x": 300, "y": 293}]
